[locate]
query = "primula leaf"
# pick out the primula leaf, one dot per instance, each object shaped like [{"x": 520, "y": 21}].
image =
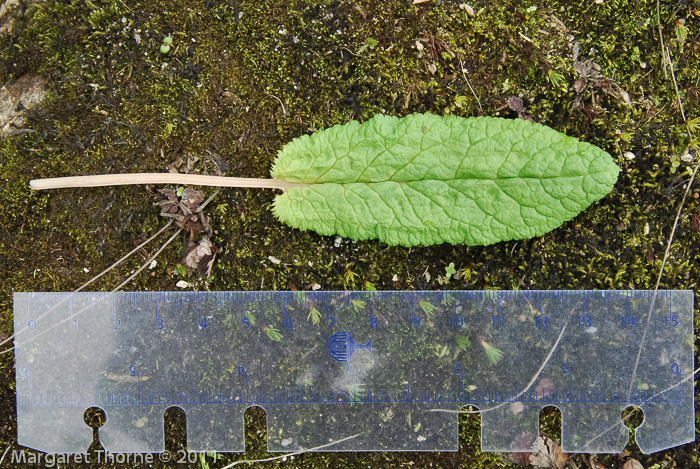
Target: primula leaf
[{"x": 425, "y": 179}]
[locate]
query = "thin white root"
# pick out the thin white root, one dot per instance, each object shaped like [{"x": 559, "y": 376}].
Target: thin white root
[
  {"x": 158, "y": 178},
  {"x": 257, "y": 461}
]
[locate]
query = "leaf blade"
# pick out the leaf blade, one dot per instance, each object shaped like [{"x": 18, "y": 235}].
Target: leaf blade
[{"x": 425, "y": 179}]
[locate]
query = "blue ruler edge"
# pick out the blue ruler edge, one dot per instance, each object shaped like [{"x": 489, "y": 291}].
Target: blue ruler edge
[{"x": 372, "y": 371}]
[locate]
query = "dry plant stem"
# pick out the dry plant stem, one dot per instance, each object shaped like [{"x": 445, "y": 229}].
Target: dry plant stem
[
  {"x": 529, "y": 385},
  {"x": 642, "y": 404},
  {"x": 158, "y": 178},
  {"x": 35, "y": 336},
  {"x": 666, "y": 53},
  {"x": 661, "y": 37},
  {"x": 461, "y": 65},
  {"x": 93, "y": 279},
  {"x": 120, "y": 260},
  {"x": 199, "y": 209},
  {"x": 668, "y": 65},
  {"x": 145, "y": 264},
  {"x": 661, "y": 271},
  {"x": 327, "y": 445}
]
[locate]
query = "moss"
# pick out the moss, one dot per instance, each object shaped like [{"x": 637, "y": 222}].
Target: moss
[{"x": 243, "y": 78}]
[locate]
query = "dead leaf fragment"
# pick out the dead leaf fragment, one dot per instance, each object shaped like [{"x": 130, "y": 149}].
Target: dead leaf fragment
[
  {"x": 549, "y": 454},
  {"x": 515, "y": 103},
  {"x": 168, "y": 204},
  {"x": 522, "y": 459},
  {"x": 517, "y": 407},
  {"x": 122, "y": 378},
  {"x": 524, "y": 440},
  {"x": 632, "y": 464},
  {"x": 591, "y": 79},
  {"x": 192, "y": 198},
  {"x": 200, "y": 256}
]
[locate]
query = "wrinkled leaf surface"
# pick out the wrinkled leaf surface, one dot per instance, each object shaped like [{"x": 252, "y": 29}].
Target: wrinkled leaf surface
[{"x": 425, "y": 179}]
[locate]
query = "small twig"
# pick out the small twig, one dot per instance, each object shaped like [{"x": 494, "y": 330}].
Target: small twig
[
  {"x": 687, "y": 378},
  {"x": 284, "y": 111},
  {"x": 90, "y": 281},
  {"x": 667, "y": 61},
  {"x": 670, "y": 239},
  {"x": 675, "y": 85},
  {"x": 255, "y": 461},
  {"x": 661, "y": 272},
  {"x": 206, "y": 202},
  {"x": 88, "y": 306},
  {"x": 661, "y": 37},
  {"x": 461, "y": 66},
  {"x": 145, "y": 264},
  {"x": 121, "y": 260},
  {"x": 159, "y": 178},
  {"x": 529, "y": 385},
  {"x": 199, "y": 209}
]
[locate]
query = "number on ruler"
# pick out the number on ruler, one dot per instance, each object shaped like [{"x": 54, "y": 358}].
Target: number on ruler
[
  {"x": 373, "y": 323},
  {"x": 541, "y": 321},
  {"x": 117, "y": 324},
  {"x": 245, "y": 322},
  {"x": 31, "y": 324},
  {"x": 628, "y": 321},
  {"x": 671, "y": 321},
  {"x": 585, "y": 321},
  {"x": 457, "y": 321},
  {"x": 288, "y": 323}
]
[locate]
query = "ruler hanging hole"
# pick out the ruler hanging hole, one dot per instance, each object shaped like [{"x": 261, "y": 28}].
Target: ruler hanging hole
[
  {"x": 550, "y": 422},
  {"x": 469, "y": 425},
  {"x": 175, "y": 424},
  {"x": 255, "y": 419},
  {"x": 632, "y": 417},
  {"x": 94, "y": 417},
  {"x": 96, "y": 450}
]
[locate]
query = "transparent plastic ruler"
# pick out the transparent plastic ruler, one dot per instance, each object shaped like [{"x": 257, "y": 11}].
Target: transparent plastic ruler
[{"x": 389, "y": 369}]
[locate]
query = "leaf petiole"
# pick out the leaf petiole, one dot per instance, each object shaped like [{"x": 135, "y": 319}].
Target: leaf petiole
[{"x": 159, "y": 178}]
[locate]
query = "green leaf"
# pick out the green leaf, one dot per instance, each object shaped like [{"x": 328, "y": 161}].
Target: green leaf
[
  {"x": 450, "y": 270},
  {"x": 493, "y": 354},
  {"x": 250, "y": 317},
  {"x": 427, "y": 307},
  {"x": 314, "y": 316},
  {"x": 273, "y": 334},
  {"x": 463, "y": 343},
  {"x": 425, "y": 179}
]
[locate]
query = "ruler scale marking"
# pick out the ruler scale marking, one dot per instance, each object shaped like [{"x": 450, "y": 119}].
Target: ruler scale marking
[{"x": 344, "y": 365}]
